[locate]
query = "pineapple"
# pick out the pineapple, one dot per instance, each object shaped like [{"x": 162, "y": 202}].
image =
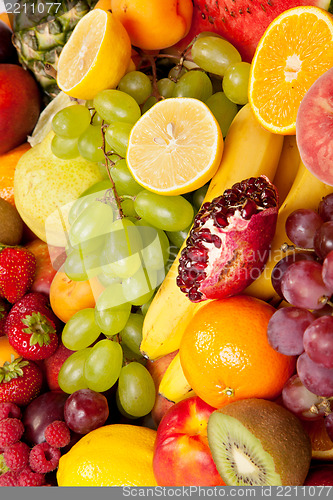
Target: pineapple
[{"x": 41, "y": 29}]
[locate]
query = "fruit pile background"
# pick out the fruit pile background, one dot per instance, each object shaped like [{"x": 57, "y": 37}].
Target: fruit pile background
[{"x": 166, "y": 243}]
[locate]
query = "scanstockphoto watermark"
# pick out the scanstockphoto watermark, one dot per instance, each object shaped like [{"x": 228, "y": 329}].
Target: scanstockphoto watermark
[{"x": 188, "y": 491}]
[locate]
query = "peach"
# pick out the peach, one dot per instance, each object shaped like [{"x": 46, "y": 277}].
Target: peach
[
  {"x": 181, "y": 454},
  {"x": 154, "y": 25}
]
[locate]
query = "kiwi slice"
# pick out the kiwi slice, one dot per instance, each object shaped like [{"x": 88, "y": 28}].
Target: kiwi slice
[{"x": 259, "y": 443}]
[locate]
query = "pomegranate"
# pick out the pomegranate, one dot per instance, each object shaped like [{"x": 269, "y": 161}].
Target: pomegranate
[{"x": 229, "y": 242}]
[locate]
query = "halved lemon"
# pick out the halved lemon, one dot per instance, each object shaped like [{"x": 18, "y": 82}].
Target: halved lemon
[
  {"x": 294, "y": 51},
  {"x": 95, "y": 57},
  {"x": 175, "y": 147}
]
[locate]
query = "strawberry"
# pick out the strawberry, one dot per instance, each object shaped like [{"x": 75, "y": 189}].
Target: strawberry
[
  {"x": 20, "y": 381},
  {"x": 31, "y": 327},
  {"x": 17, "y": 271},
  {"x": 4, "y": 310}
]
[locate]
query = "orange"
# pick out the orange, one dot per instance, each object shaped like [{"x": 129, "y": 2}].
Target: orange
[
  {"x": 225, "y": 354},
  {"x": 322, "y": 446},
  {"x": 175, "y": 147},
  {"x": 154, "y": 24},
  {"x": 103, "y": 4},
  {"x": 7, "y": 19},
  {"x": 294, "y": 51},
  {"x": 6, "y": 350},
  {"x": 8, "y": 162}
]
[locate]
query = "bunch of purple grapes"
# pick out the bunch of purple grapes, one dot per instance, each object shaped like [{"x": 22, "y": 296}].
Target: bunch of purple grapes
[{"x": 304, "y": 279}]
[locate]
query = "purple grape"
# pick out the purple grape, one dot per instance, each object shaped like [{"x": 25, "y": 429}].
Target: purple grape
[
  {"x": 301, "y": 226},
  {"x": 302, "y": 285},
  {"x": 41, "y": 412},
  {"x": 86, "y": 410},
  {"x": 318, "y": 341},
  {"x": 327, "y": 271},
  {"x": 298, "y": 399},
  {"x": 323, "y": 239},
  {"x": 283, "y": 264},
  {"x": 325, "y": 208},
  {"x": 286, "y": 327},
  {"x": 316, "y": 378},
  {"x": 329, "y": 425}
]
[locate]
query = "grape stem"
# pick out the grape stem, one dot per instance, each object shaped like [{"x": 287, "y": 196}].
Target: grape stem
[{"x": 285, "y": 248}]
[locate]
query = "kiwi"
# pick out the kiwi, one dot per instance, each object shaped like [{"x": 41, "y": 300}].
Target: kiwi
[
  {"x": 11, "y": 224},
  {"x": 260, "y": 443}
]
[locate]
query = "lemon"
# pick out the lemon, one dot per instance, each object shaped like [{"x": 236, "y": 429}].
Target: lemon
[
  {"x": 112, "y": 455},
  {"x": 95, "y": 57},
  {"x": 175, "y": 147}
]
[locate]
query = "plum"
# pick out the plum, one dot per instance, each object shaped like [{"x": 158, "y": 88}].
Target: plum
[
  {"x": 314, "y": 128},
  {"x": 8, "y": 52}
]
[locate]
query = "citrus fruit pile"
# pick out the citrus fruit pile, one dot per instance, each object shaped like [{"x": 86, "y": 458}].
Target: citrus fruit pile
[{"x": 166, "y": 243}]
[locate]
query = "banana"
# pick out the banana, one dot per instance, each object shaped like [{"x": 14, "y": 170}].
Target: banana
[
  {"x": 306, "y": 192},
  {"x": 249, "y": 151},
  {"x": 287, "y": 167},
  {"x": 174, "y": 385}
]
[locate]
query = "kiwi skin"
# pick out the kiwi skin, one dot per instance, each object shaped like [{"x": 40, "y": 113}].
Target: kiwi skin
[
  {"x": 280, "y": 432},
  {"x": 11, "y": 224}
]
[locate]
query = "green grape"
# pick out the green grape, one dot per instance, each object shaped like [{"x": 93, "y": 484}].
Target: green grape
[
  {"x": 144, "y": 308},
  {"x": 78, "y": 263},
  {"x": 223, "y": 109},
  {"x": 127, "y": 206},
  {"x": 155, "y": 251},
  {"x": 97, "y": 189},
  {"x": 195, "y": 84},
  {"x": 80, "y": 331},
  {"x": 137, "y": 85},
  {"x": 106, "y": 279},
  {"x": 117, "y": 135},
  {"x": 103, "y": 365},
  {"x": 65, "y": 149},
  {"x": 90, "y": 227},
  {"x": 123, "y": 247},
  {"x": 72, "y": 121},
  {"x": 170, "y": 213},
  {"x": 124, "y": 180},
  {"x": 214, "y": 54},
  {"x": 89, "y": 143},
  {"x": 71, "y": 375},
  {"x": 112, "y": 310},
  {"x": 149, "y": 103},
  {"x": 136, "y": 389},
  {"x": 96, "y": 120},
  {"x": 204, "y": 34},
  {"x": 166, "y": 87},
  {"x": 131, "y": 335},
  {"x": 199, "y": 196},
  {"x": 115, "y": 105},
  {"x": 176, "y": 72},
  {"x": 178, "y": 237},
  {"x": 95, "y": 192},
  {"x": 236, "y": 82},
  {"x": 140, "y": 287},
  {"x": 121, "y": 409}
]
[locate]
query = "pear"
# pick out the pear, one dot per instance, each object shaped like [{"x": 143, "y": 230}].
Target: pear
[{"x": 46, "y": 186}]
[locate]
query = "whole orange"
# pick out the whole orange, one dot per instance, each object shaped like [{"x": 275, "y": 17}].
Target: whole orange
[
  {"x": 226, "y": 356},
  {"x": 8, "y": 162}
]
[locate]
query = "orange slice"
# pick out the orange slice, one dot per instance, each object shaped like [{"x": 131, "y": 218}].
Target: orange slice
[
  {"x": 322, "y": 446},
  {"x": 95, "y": 57},
  {"x": 175, "y": 147},
  {"x": 294, "y": 51}
]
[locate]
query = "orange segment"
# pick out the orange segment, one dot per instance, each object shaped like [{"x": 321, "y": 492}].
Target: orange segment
[
  {"x": 322, "y": 446},
  {"x": 294, "y": 51},
  {"x": 95, "y": 57},
  {"x": 175, "y": 147}
]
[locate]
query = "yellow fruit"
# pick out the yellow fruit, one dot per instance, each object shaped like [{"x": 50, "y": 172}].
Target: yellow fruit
[
  {"x": 112, "y": 455},
  {"x": 294, "y": 51},
  {"x": 95, "y": 57},
  {"x": 175, "y": 147}
]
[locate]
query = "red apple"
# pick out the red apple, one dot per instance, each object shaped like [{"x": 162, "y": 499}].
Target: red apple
[
  {"x": 20, "y": 104},
  {"x": 45, "y": 271},
  {"x": 320, "y": 475},
  {"x": 182, "y": 456},
  {"x": 157, "y": 369}
]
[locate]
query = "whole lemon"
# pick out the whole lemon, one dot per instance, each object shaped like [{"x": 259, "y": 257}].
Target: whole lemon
[{"x": 112, "y": 455}]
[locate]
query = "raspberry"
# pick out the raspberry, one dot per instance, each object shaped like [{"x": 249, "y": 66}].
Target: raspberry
[
  {"x": 11, "y": 430},
  {"x": 44, "y": 458},
  {"x": 8, "y": 479},
  {"x": 10, "y": 410},
  {"x": 29, "y": 478},
  {"x": 57, "y": 434},
  {"x": 17, "y": 456}
]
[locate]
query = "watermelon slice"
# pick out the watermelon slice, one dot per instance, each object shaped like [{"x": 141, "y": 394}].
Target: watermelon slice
[{"x": 241, "y": 22}]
